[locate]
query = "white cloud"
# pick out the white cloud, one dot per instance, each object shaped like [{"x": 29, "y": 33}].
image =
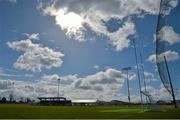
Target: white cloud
[
  {"x": 5, "y": 84},
  {"x": 159, "y": 93},
  {"x": 74, "y": 15},
  {"x": 119, "y": 39},
  {"x": 150, "y": 77},
  {"x": 64, "y": 79},
  {"x": 151, "y": 58},
  {"x": 33, "y": 36},
  {"x": 95, "y": 81},
  {"x": 105, "y": 84},
  {"x": 170, "y": 56},
  {"x": 168, "y": 34},
  {"x": 50, "y": 77},
  {"x": 29, "y": 75},
  {"x": 96, "y": 67},
  {"x": 12, "y": 1},
  {"x": 4, "y": 74},
  {"x": 107, "y": 77},
  {"x": 9, "y": 75},
  {"x": 173, "y": 3},
  {"x": 154, "y": 37},
  {"x": 35, "y": 56},
  {"x": 36, "y": 89},
  {"x": 71, "y": 23},
  {"x": 108, "y": 82},
  {"x": 166, "y": 9}
]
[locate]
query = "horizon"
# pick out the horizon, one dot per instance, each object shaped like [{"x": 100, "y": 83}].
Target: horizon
[{"x": 86, "y": 45}]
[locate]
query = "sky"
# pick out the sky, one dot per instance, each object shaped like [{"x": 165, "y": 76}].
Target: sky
[{"x": 85, "y": 43}]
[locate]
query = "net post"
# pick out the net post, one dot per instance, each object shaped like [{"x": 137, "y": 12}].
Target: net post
[{"x": 172, "y": 90}]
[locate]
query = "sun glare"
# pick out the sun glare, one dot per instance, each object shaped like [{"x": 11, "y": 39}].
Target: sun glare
[{"x": 70, "y": 21}]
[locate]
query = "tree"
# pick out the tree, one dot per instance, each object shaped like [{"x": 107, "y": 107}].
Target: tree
[
  {"x": 3, "y": 100},
  {"x": 11, "y": 98},
  {"x": 28, "y": 100},
  {"x": 21, "y": 100}
]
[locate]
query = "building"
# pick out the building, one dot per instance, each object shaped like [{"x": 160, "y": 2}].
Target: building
[
  {"x": 84, "y": 102},
  {"x": 54, "y": 101}
]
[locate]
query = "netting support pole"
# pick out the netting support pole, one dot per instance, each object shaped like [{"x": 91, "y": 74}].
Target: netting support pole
[
  {"x": 172, "y": 90},
  {"x": 144, "y": 76},
  {"x": 127, "y": 71},
  {"x": 58, "y": 86},
  {"x": 128, "y": 88},
  {"x": 135, "y": 51}
]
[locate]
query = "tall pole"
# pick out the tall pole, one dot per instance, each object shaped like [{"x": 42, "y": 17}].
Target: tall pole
[
  {"x": 127, "y": 71},
  {"x": 129, "y": 98},
  {"x": 11, "y": 96},
  {"x": 135, "y": 51},
  {"x": 58, "y": 86},
  {"x": 143, "y": 75},
  {"x": 172, "y": 90}
]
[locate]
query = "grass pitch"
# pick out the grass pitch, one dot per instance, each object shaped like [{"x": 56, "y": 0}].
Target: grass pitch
[{"x": 83, "y": 112}]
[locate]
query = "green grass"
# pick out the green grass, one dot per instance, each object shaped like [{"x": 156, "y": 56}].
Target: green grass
[{"x": 85, "y": 112}]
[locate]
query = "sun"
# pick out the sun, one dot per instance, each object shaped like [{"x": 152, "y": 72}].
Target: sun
[{"x": 71, "y": 22}]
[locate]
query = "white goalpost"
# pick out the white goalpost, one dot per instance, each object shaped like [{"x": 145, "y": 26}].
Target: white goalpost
[{"x": 151, "y": 103}]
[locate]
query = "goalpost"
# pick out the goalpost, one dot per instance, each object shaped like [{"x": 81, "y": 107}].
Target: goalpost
[{"x": 151, "y": 104}]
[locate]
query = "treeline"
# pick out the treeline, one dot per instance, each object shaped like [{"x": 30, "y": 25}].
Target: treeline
[{"x": 11, "y": 99}]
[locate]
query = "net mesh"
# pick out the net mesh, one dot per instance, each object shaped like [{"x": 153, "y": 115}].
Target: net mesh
[{"x": 166, "y": 18}]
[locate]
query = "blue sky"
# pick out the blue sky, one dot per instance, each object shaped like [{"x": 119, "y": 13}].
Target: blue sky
[{"x": 86, "y": 48}]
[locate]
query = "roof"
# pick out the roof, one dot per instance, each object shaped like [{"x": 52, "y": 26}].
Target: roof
[
  {"x": 40, "y": 98},
  {"x": 84, "y": 101}
]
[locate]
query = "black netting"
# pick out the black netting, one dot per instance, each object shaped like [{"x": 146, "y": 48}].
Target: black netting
[{"x": 167, "y": 43}]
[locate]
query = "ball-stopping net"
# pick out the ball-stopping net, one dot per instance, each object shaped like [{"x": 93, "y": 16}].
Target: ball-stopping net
[{"x": 168, "y": 43}]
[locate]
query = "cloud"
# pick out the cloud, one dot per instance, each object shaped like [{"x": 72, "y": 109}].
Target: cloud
[
  {"x": 152, "y": 58},
  {"x": 18, "y": 89},
  {"x": 105, "y": 84},
  {"x": 121, "y": 8},
  {"x": 154, "y": 37},
  {"x": 168, "y": 5},
  {"x": 5, "y": 84},
  {"x": 50, "y": 77},
  {"x": 168, "y": 34},
  {"x": 35, "y": 56},
  {"x": 110, "y": 76},
  {"x": 95, "y": 81},
  {"x": 108, "y": 80},
  {"x": 119, "y": 39},
  {"x": 9, "y": 75},
  {"x": 159, "y": 93},
  {"x": 96, "y": 67},
  {"x": 170, "y": 56},
  {"x": 12, "y": 1},
  {"x": 107, "y": 77},
  {"x": 4, "y": 74},
  {"x": 150, "y": 77},
  {"x": 33, "y": 36},
  {"x": 34, "y": 90},
  {"x": 29, "y": 75},
  {"x": 96, "y": 13},
  {"x": 68, "y": 79}
]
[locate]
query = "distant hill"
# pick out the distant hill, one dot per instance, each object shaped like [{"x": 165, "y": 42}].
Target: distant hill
[{"x": 112, "y": 102}]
